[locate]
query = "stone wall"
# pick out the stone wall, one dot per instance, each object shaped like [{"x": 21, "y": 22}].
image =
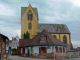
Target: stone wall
[
  {"x": 43, "y": 55},
  {"x": 72, "y": 54},
  {"x": 68, "y": 47},
  {"x": 60, "y": 55},
  {"x": 46, "y": 55}
]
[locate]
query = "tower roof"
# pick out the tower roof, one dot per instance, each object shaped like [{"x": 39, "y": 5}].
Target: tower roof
[{"x": 23, "y": 9}]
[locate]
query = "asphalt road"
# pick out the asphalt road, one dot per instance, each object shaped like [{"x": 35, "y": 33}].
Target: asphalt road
[
  {"x": 15, "y": 57},
  {"x": 72, "y": 59}
]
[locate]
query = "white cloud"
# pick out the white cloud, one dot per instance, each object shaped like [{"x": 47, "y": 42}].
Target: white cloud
[
  {"x": 76, "y": 43},
  {"x": 51, "y": 11},
  {"x": 76, "y": 2},
  {"x": 51, "y": 19},
  {"x": 4, "y": 10},
  {"x": 9, "y": 31},
  {"x": 18, "y": 32}
]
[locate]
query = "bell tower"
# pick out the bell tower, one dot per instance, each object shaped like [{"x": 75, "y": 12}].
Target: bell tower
[{"x": 29, "y": 21}]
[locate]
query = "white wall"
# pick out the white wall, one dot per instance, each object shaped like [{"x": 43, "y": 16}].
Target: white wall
[
  {"x": 26, "y": 50},
  {"x": 6, "y": 47},
  {"x": 14, "y": 43},
  {"x": 36, "y": 49},
  {"x": 49, "y": 50}
]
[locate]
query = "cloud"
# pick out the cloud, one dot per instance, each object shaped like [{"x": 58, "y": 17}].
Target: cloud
[
  {"x": 49, "y": 11},
  {"x": 76, "y": 44},
  {"x": 6, "y": 10},
  {"x": 8, "y": 31},
  {"x": 76, "y": 2}
]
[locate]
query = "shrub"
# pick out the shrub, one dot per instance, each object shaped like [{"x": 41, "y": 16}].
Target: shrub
[{"x": 13, "y": 49}]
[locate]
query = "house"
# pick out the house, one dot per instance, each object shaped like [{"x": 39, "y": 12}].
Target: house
[
  {"x": 21, "y": 42},
  {"x": 29, "y": 22},
  {"x": 3, "y": 54},
  {"x": 43, "y": 45},
  {"x": 13, "y": 43}
]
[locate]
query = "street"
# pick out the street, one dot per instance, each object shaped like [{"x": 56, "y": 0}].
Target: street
[{"x": 15, "y": 57}]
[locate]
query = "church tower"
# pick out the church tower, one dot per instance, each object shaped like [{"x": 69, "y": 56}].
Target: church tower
[{"x": 29, "y": 21}]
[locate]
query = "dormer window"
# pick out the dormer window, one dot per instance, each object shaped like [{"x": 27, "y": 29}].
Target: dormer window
[
  {"x": 43, "y": 37},
  {"x": 30, "y": 15}
]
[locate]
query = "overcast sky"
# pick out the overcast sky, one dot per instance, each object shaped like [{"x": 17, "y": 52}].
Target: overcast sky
[{"x": 49, "y": 11}]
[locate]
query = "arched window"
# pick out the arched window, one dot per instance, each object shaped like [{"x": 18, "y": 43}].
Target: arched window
[
  {"x": 64, "y": 39},
  {"x": 29, "y": 15},
  {"x": 29, "y": 26}
]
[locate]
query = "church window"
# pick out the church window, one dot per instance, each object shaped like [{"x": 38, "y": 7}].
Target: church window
[
  {"x": 29, "y": 15},
  {"x": 29, "y": 26},
  {"x": 64, "y": 39}
]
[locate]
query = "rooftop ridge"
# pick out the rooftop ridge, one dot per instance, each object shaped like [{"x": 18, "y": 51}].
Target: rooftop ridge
[{"x": 27, "y": 7}]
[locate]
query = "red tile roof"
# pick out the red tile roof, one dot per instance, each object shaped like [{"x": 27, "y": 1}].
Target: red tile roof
[
  {"x": 50, "y": 40},
  {"x": 22, "y": 41},
  {"x": 4, "y": 36}
]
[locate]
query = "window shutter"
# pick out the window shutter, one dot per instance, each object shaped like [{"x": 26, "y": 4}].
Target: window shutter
[
  {"x": 45, "y": 49},
  {"x": 39, "y": 49}
]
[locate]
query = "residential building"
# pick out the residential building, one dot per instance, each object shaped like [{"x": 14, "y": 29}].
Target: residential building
[
  {"x": 13, "y": 43},
  {"x": 43, "y": 45},
  {"x": 3, "y": 54}
]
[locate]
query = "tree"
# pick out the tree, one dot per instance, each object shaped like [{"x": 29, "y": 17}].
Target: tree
[{"x": 27, "y": 35}]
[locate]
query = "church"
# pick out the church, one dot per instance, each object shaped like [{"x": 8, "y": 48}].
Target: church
[{"x": 50, "y": 36}]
